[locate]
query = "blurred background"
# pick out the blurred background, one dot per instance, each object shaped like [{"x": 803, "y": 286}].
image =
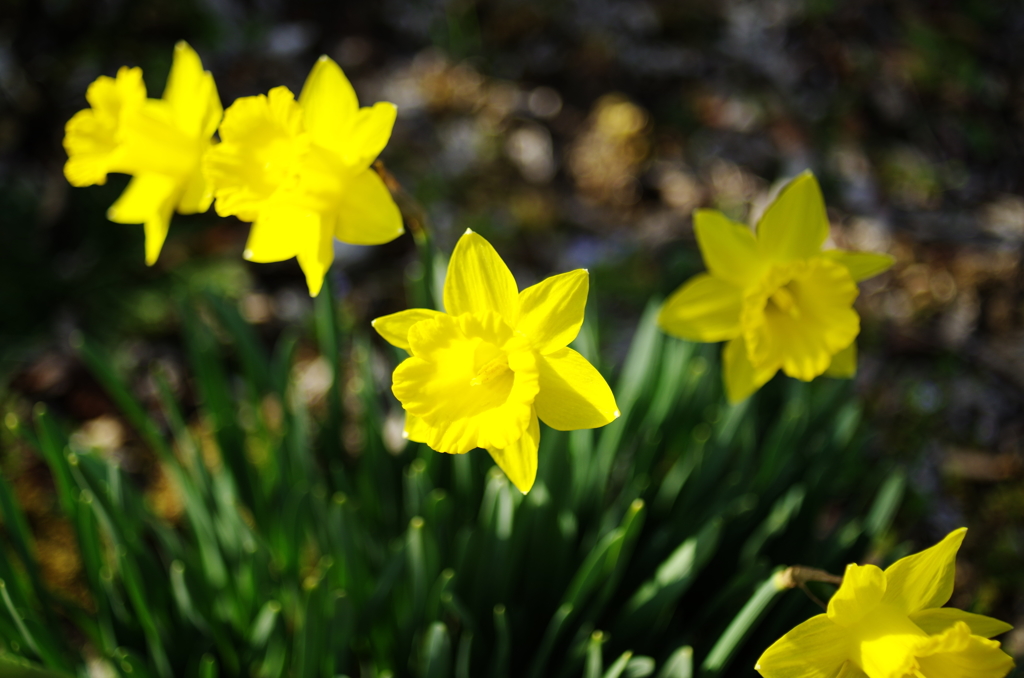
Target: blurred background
[{"x": 571, "y": 133}]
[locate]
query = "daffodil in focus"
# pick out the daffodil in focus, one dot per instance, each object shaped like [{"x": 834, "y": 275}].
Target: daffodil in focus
[
  {"x": 777, "y": 298},
  {"x": 891, "y": 624},
  {"x": 300, "y": 172},
  {"x": 482, "y": 373},
  {"x": 160, "y": 142}
]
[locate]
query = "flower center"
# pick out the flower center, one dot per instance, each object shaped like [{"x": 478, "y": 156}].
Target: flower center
[
  {"x": 491, "y": 370},
  {"x": 798, "y": 316},
  {"x": 783, "y": 301}
]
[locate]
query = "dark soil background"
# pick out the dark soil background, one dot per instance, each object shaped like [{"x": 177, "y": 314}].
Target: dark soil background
[{"x": 577, "y": 133}]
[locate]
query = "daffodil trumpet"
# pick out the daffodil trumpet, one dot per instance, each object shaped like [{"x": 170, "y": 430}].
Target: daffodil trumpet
[
  {"x": 774, "y": 295},
  {"x": 160, "y": 142},
  {"x": 496, "y": 362}
]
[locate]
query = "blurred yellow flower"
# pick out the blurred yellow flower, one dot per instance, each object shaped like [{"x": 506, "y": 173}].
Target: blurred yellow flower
[
  {"x": 892, "y": 624},
  {"x": 160, "y": 142},
  {"x": 300, "y": 172},
  {"x": 481, "y": 374},
  {"x": 776, "y": 297}
]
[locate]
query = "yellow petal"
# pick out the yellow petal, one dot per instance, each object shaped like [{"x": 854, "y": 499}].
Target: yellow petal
[
  {"x": 192, "y": 93},
  {"x": 149, "y": 200},
  {"x": 551, "y": 312},
  {"x": 705, "y": 308},
  {"x": 740, "y": 377},
  {"x": 368, "y": 214},
  {"x": 729, "y": 249},
  {"x": 519, "y": 460},
  {"x": 816, "y": 648},
  {"x": 924, "y": 579},
  {"x": 395, "y": 327},
  {"x": 955, "y": 653},
  {"x": 156, "y": 227},
  {"x": 861, "y": 265},
  {"x": 329, "y": 105},
  {"x": 936, "y": 620},
  {"x": 844, "y": 363},
  {"x": 795, "y": 225},
  {"x": 196, "y": 196},
  {"x": 371, "y": 129},
  {"x": 317, "y": 258},
  {"x": 145, "y": 195},
  {"x": 479, "y": 281},
  {"x": 279, "y": 231},
  {"x": 573, "y": 394},
  {"x": 860, "y": 593}
]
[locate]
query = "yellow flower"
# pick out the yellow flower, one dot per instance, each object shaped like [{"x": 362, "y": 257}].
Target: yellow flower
[
  {"x": 160, "y": 142},
  {"x": 481, "y": 374},
  {"x": 777, "y": 299},
  {"x": 892, "y": 624},
  {"x": 299, "y": 171}
]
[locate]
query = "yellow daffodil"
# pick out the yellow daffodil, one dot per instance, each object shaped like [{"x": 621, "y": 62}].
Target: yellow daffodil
[
  {"x": 775, "y": 296},
  {"x": 300, "y": 172},
  {"x": 891, "y": 624},
  {"x": 481, "y": 374},
  {"x": 160, "y": 142}
]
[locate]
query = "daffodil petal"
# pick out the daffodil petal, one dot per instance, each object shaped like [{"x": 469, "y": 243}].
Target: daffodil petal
[
  {"x": 862, "y": 589},
  {"x": 729, "y": 249},
  {"x": 196, "y": 196},
  {"x": 145, "y": 195},
  {"x": 795, "y": 225},
  {"x": 395, "y": 327},
  {"x": 479, "y": 281},
  {"x": 192, "y": 93},
  {"x": 861, "y": 265},
  {"x": 816, "y": 648},
  {"x": 705, "y": 308},
  {"x": 371, "y": 129},
  {"x": 551, "y": 312},
  {"x": 519, "y": 460},
  {"x": 279, "y": 232},
  {"x": 573, "y": 394},
  {"x": 936, "y": 620},
  {"x": 740, "y": 376},
  {"x": 329, "y": 105},
  {"x": 924, "y": 579},
  {"x": 316, "y": 258},
  {"x": 844, "y": 363},
  {"x": 368, "y": 214},
  {"x": 156, "y": 227},
  {"x": 149, "y": 200}
]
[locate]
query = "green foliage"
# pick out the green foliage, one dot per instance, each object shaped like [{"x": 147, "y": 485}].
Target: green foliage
[{"x": 645, "y": 549}]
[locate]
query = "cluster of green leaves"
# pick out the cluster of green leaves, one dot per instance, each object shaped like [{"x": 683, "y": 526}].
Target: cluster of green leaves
[{"x": 646, "y": 548}]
